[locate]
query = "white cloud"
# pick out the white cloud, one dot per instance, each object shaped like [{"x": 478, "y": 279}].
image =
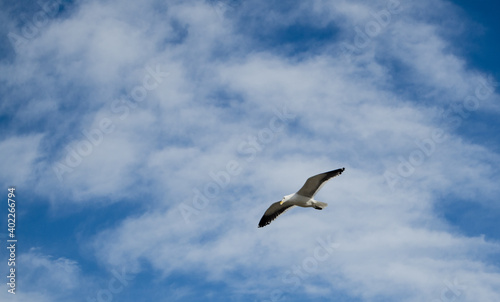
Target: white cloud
[
  {"x": 19, "y": 154},
  {"x": 45, "y": 272},
  {"x": 42, "y": 277}
]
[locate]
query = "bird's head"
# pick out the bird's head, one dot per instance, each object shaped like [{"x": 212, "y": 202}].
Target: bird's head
[{"x": 282, "y": 200}]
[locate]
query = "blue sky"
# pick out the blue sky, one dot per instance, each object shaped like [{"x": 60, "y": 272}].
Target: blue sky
[{"x": 146, "y": 140}]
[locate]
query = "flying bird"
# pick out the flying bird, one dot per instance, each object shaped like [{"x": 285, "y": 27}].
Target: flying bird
[{"x": 303, "y": 197}]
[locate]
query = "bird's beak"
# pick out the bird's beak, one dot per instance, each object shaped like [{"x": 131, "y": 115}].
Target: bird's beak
[{"x": 281, "y": 203}]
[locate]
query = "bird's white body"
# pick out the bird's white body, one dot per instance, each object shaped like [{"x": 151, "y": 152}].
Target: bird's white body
[{"x": 299, "y": 200}]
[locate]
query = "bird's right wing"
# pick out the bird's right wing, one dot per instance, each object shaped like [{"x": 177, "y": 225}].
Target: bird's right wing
[
  {"x": 314, "y": 183},
  {"x": 274, "y": 211}
]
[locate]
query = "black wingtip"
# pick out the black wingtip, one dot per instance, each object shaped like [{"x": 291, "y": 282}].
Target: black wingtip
[{"x": 263, "y": 223}]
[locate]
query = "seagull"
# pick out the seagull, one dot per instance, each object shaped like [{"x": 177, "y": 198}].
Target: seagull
[{"x": 303, "y": 197}]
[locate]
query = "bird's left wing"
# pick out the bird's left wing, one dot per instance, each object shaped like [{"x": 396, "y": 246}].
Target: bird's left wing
[
  {"x": 314, "y": 183},
  {"x": 275, "y": 210}
]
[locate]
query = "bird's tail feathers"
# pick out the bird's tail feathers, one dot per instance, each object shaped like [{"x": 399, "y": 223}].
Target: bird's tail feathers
[{"x": 320, "y": 205}]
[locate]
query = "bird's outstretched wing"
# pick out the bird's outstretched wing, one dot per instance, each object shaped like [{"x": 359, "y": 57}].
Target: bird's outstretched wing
[
  {"x": 274, "y": 211},
  {"x": 314, "y": 183}
]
